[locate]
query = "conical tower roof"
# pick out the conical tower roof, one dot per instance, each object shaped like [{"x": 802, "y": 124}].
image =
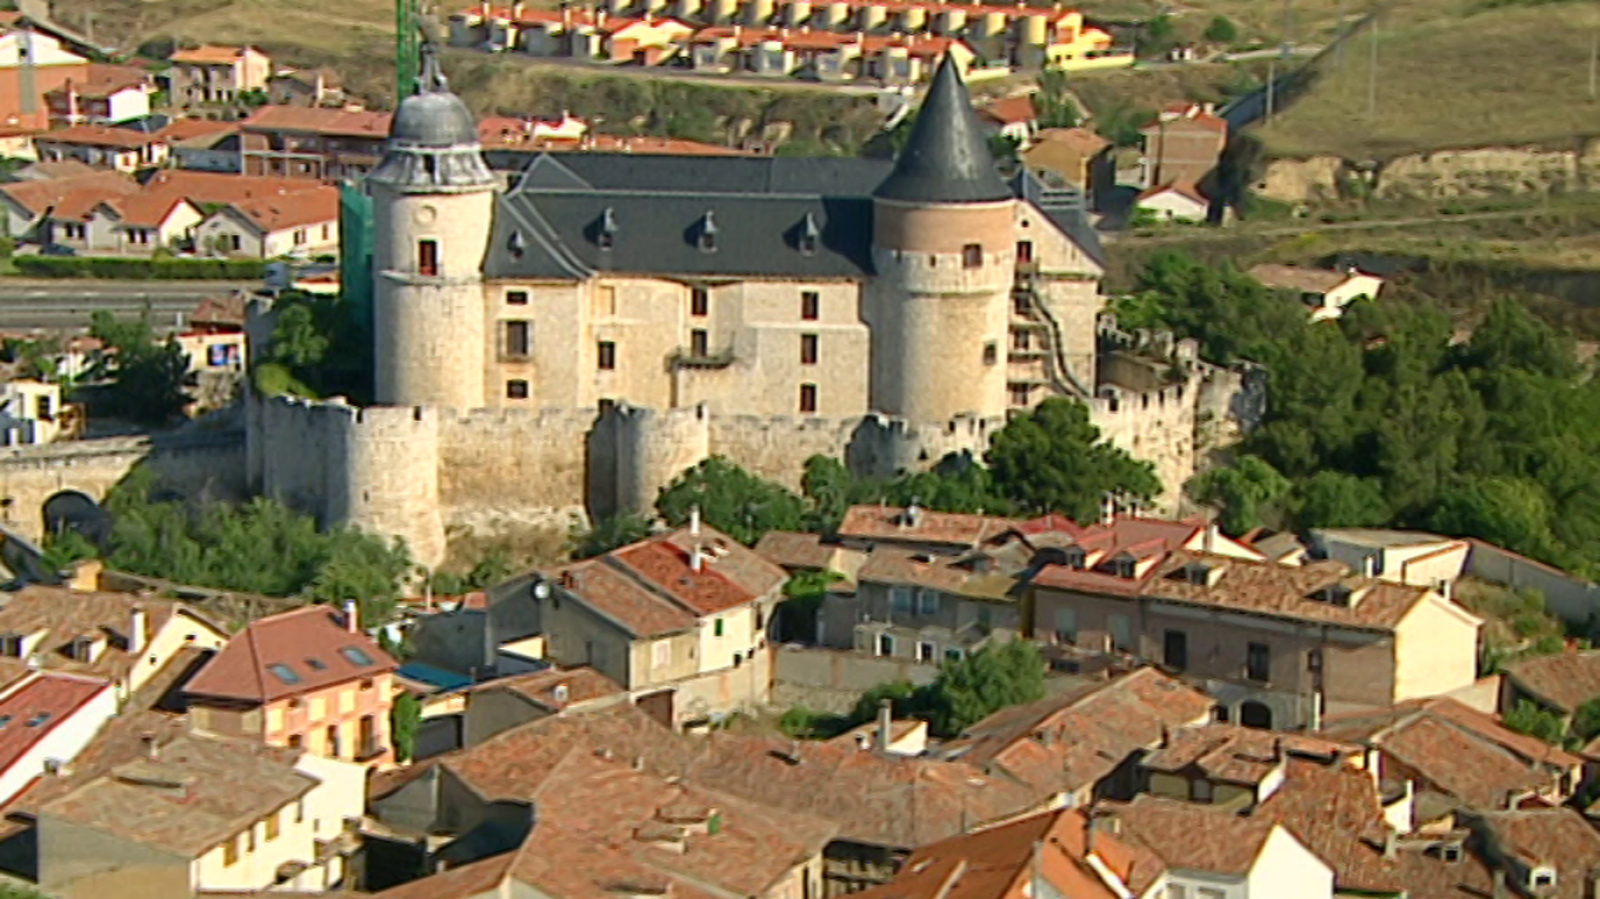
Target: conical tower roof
[{"x": 947, "y": 159}]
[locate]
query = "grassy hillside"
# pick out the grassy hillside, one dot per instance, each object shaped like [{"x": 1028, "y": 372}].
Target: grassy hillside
[{"x": 1477, "y": 77}]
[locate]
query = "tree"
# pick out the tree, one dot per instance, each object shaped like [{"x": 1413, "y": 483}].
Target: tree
[
  {"x": 1159, "y": 35},
  {"x": 320, "y": 346},
  {"x": 1334, "y": 499},
  {"x": 1241, "y": 491},
  {"x": 405, "y": 718},
  {"x": 147, "y": 377},
  {"x": 1509, "y": 512},
  {"x": 1051, "y": 459},
  {"x": 906, "y": 700},
  {"x": 971, "y": 688},
  {"x": 1053, "y": 104},
  {"x": 65, "y": 548},
  {"x": 1586, "y": 721},
  {"x": 1221, "y": 31},
  {"x": 731, "y": 500},
  {"x": 1536, "y": 721},
  {"x": 491, "y": 569},
  {"x": 607, "y": 534},
  {"x": 803, "y": 595}
]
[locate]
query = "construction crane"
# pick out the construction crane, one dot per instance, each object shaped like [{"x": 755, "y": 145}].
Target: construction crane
[{"x": 407, "y": 47}]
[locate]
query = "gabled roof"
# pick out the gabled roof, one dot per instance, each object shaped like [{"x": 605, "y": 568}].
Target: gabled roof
[
  {"x": 946, "y": 159},
  {"x": 892, "y": 524},
  {"x": 1186, "y": 189},
  {"x": 1563, "y": 681},
  {"x": 195, "y": 794},
  {"x": 211, "y": 54},
  {"x": 38, "y": 196},
  {"x": 287, "y": 654},
  {"x": 318, "y": 120},
  {"x": 104, "y": 80},
  {"x": 59, "y": 615},
  {"x": 316, "y": 206},
  {"x": 1321, "y": 280},
  {"x": 1010, "y": 110},
  {"x": 556, "y": 688},
  {"x": 99, "y": 136},
  {"x": 31, "y": 712},
  {"x": 1193, "y": 837},
  {"x": 1240, "y": 755}
]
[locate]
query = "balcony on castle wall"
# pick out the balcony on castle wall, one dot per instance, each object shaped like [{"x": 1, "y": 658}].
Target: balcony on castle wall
[{"x": 687, "y": 358}]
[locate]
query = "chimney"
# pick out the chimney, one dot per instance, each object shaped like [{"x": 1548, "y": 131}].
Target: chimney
[
  {"x": 1108, "y": 510},
  {"x": 152, "y": 751},
  {"x": 1210, "y": 542},
  {"x": 351, "y": 622},
  {"x": 694, "y": 521},
  {"x": 885, "y": 725},
  {"x": 1369, "y": 566},
  {"x": 1591, "y": 883},
  {"x": 696, "y": 559},
  {"x": 1447, "y": 589},
  {"x": 1389, "y": 840},
  {"x": 136, "y": 625}
]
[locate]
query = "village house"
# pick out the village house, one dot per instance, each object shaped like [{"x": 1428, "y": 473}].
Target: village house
[
  {"x": 106, "y": 95},
  {"x": 1060, "y": 853},
  {"x": 1233, "y": 767},
  {"x": 1076, "y": 158},
  {"x": 1084, "y": 745},
  {"x": 1210, "y": 853},
  {"x": 1182, "y": 145},
  {"x": 1325, "y": 291},
  {"x": 1460, "y": 755},
  {"x": 306, "y": 679},
  {"x": 30, "y": 412},
  {"x": 1012, "y": 117},
  {"x": 46, "y": 719},
  {"x": 687, "y": 609},
  {"x": 318, "y": 143},
  {"x": 52, "y": 60},
  {"x": 1277, "y": 645},
  {"x": 200, "y": 815},
  {"x": 117, "y": 223},
  {"x": 202, "y": 145},
  {"x": 117, "y": 637},
  {"x": 1404, "y": 557},
  {"x": 301, "y": 224},
  {"x": 103, "y": 147},
  {"x": 306, "y": 87},
  {"x": 216, "y": 74},
  {"x": 1560, "y": 683},
  {"x": 1178, "y": 201},
  {"x": 499, "y": 705}
]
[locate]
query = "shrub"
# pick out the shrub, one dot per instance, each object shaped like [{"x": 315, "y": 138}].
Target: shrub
[{"x": 141, "y": 269}]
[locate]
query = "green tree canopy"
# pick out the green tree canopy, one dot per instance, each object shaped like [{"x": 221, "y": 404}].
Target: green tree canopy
[
  {"x": 978, "y": 685},
  {"x": 1242, "y": 492},
  {"x": 147, "y": 376},
  {"x": 1221, "y": 30},
  {"x": 731, "y": 500},
  {"x": 608, "y": 534},
  {"x": 1051, "y": 459},
  {"x": 405, "y": 719}
]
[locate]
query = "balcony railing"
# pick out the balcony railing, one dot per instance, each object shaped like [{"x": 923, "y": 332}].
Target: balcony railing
[{"x": 685, "y": 358}]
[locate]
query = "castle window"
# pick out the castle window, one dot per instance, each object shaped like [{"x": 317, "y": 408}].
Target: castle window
[
  {"x": 607, "y": 356},
  {"x": 516, "y": 390},
  {"x": 428, "y": 257},
  {"x": 991, "y": 353},
  {"x": 1024, "y": 251},
  {"x": 518, "y": 339},
  {"x": 808, "y": 397},
  {"x": 516, "y": 298},
  {"x": 810, "y": 305},
  {"x": 808, "y": 349},
  {"x": 972, "y": 255},
  {"x": 699, "y": 343},
  {"x": 1021, "y": 340},
  {"x": 699, "y": 301},
  {"x": 1020, "y": 394}
]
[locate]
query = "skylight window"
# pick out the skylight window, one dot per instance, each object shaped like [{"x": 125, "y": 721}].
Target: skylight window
[
  {"x": 38, "y": 719},
  {"x": 356, "y": 655},
  {"x": 284, "y": 673},
  {"x": 4, "y": 720},
  {"x": 316, "y": 664}
]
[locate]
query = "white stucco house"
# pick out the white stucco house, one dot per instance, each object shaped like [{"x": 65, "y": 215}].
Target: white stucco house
[
  {"x": 1212, "y": 853},
  {"x": 46, "y": 719},
  {"x": 1326, "y": 291},
  {"x": 303, "y": 223},
  {"x": 1177, "y": 202}
]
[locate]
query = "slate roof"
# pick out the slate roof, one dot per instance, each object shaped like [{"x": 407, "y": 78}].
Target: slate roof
[
  {"x": 833, "y": 176},
  {"x": 288, "y": 654},
  {"x": 946, "y": 159}
]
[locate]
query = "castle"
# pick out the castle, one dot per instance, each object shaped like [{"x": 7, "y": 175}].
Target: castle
[{"x": 576, "y": 338}]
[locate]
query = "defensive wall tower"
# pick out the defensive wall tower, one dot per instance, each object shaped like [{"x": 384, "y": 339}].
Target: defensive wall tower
[
  {"x": 432, "y": 204},
  {"x": 945, "y": 253}
]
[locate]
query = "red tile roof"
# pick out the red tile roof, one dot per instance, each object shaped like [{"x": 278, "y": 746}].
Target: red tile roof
[
  {"x": 1240, "y": 755},
  {"x": 187, "y": 129},
  {"x": 105, "y": 79},
  {"x": 37, "y": 196},
  {"x": 580, "y": 685},
  {"x": 1563, "y": 681},
  {"x": 215, "y": 187},
  {"x": 317, "y": 120},
  {"x": 29, "y": 713},
  {"x": 1194, "y": 837},
  {"x": 1016, "y": 110},
  {"x": 1186, "y": 189},
  {"x": 60, "y": 615},
  {"x": 666, "y": 568},
  {"x": 315, "y": 206},
  {"x": 890, "y": 524},
  {"x": 620, "y": 599},
  {"x": 288, "y": 654},
  {"x": 210, "y": 54},
  {"x": 100, "y": 136}
]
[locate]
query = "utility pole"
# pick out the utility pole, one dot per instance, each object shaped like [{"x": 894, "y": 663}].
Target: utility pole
[{"x": 1272, "y": 87}]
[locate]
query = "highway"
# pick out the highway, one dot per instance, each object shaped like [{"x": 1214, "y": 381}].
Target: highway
[{"x": 28, "y": 304}]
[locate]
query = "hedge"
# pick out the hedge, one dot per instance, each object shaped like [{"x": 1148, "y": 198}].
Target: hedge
[{"x": 141, "y": 269}]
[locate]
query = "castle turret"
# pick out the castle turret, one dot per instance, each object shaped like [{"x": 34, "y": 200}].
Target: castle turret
[
  {"x": 433, "y": 198},
  {"x": 944, "y": 252}
]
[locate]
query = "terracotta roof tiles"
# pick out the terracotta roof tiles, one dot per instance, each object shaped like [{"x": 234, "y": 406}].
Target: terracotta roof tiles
[
  {"x": 1564, "y": 681},
  {"x": 890, "y": 524},
  {"x": 317, "y": 120},
  {"x": 59, "y": 615},
  {"x": 288, "y": 654},
  {"x": 556, "y": 688},
  {"x": 100, "y": 136}
]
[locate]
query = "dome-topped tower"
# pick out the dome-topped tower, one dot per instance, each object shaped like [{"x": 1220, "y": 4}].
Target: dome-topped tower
[
  {"x": 432, "y": 209},
  {"x": 944, "y": 249},
  {"x": 433, "y": 139}
]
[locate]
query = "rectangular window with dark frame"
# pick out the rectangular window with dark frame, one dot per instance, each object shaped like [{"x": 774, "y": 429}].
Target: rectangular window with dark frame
[
  {"x": 699, "y": 343},
  {"x": 699, "y": 301},
  {"x": 972, "y": 255},
  {"x": 1024, "y": 251},
  {"x": 808, "y": 397},
  {"x": 1258, "y": 662},
  {"x": 607, "y": 356},
  {"x": 428, "y": 257},
  {"x": 516, "y": 389},
  {"x": 516, "y": 298},
  {"x": 808, "y": 349},
  {"x": 518, "y": 339},
  {"x": 991, "y": 353},
  {"x": 810, "y": 305},
  {"x": 1175, "y": 650}
]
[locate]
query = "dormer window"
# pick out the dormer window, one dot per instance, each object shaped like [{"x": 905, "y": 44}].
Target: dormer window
[
  {"x": 1077, "y": 559},
  {"x": 607, "y": 237},
  {"x": 810, "y": 235},
  {"x": 707, "y": 240},
  {"x": 516, "y": 245},
  {"x": 11, "y": 645}
]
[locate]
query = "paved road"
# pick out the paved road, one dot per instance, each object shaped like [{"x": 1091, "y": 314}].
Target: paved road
[{"x": 27, "y": 304}]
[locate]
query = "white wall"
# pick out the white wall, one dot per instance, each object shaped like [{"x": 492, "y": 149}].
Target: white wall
[
  {"x": 63, "y": 743},
  {"x": 47, "y": 51},
  {"x": 1173, "y": 206},
  {"x": 1435, "y": 650},
  {"x": 1285, "y": 868},
  {"x": 130, "y": 103},
  {"x": 167, "y": 641},
  {"x": 739, "y": 635}
]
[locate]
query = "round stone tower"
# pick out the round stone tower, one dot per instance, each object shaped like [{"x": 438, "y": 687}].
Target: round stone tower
[
  {"x": 432, "y": 205},
  {"x": 944, "y": 250}
]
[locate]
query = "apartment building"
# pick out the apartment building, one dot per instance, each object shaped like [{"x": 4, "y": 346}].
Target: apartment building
[{"x": 311, "y": 142}]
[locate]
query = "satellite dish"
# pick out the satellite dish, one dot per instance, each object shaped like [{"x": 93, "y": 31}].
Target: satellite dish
[{"x": 541, "y": 590}]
